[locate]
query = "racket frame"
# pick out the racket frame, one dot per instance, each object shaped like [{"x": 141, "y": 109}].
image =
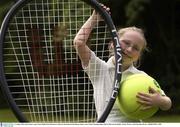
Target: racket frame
[
  {"x": 117, "y": 51},
  {"x": 4, "y": 86},
  {"x": 118, "y": 57}
]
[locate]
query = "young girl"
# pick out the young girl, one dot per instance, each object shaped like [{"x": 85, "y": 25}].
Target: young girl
[{"x": 133, "y": 43}]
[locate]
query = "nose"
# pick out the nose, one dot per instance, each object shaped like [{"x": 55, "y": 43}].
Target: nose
[{"x": 129, "y": 48}]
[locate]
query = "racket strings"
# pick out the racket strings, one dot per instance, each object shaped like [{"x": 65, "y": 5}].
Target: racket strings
[{"x": 42, "y": 68}]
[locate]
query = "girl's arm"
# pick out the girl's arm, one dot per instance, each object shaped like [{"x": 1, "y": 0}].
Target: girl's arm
[{"x": 82, "y": 37}]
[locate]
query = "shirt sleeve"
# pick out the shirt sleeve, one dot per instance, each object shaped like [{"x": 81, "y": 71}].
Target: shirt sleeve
[{"x": 95, "y": 66}]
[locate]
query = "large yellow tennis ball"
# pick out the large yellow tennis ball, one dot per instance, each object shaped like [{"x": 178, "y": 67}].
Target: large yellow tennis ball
[{"x": 127, "y": 99}]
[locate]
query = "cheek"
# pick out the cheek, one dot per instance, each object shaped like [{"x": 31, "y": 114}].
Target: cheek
[{"x": 122, "y": 46}]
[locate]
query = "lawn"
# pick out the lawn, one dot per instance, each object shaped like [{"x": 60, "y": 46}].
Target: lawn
[
  {"x": 6, "y": 115},
  {"x": 165, "y": 118}
]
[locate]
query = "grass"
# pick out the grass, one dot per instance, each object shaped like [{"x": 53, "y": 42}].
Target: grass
[
  {"x": 164, "y": 119},
  {"x": 6, "y": 115}
]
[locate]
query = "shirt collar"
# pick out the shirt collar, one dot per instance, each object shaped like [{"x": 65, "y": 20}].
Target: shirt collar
[{"x": 110, "y": 63}]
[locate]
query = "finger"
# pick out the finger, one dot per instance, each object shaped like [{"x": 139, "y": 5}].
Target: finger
[
  {"x": 144, "y": 98},
  {"x": 144, "y": 102},
  {"x": 106, "y": 8},
  {"x": 101, "y": 4},
  {"x": 143, "y": 94}
]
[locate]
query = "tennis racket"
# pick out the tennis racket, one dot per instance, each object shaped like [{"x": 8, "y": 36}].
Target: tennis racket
[{"x": 41, "y": 75}]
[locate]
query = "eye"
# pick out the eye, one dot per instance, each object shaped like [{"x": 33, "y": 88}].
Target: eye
[
  {"x": 136, "y": 48},
  {"x": 125, "y": 42}
]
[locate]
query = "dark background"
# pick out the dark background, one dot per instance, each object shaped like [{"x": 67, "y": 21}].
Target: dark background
[{"x": 160, "y": 20}]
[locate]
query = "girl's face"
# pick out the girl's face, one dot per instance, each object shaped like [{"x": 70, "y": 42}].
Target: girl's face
[{"x": 132, "y": 44}]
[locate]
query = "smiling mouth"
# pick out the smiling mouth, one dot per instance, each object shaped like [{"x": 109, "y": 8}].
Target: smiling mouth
[{"x": 125, "y": 55}]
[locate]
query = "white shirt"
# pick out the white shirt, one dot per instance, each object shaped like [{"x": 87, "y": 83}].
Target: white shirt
[{"x": 101, "y": 74}]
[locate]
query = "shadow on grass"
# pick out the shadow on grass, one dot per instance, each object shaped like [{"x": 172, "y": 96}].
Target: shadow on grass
[{"x": 164, "y": 118}]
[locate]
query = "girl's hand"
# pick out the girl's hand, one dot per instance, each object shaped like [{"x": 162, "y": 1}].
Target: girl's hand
[
  {"x": 96, "y": 16},
  {"x": 153, "y": 99}
]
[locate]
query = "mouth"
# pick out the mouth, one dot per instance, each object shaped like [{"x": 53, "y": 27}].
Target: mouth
[{"x": 125, "y": 55}]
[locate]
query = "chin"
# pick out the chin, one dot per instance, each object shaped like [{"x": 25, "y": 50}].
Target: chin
[{"x": 126, "y": 63}]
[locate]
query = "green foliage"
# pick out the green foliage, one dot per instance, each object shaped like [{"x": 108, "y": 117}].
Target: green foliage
[
  {"x": 4, "y": 6},
  {"x": 134, "y": 10}
]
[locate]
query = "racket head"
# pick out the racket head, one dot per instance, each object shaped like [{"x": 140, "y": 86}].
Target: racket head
[{"x": 19, "y": 15}]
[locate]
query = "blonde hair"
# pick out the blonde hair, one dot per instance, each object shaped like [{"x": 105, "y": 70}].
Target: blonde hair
[
  {"x": 122, "y": 31},
  {"x": 133, "y": 28}
]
